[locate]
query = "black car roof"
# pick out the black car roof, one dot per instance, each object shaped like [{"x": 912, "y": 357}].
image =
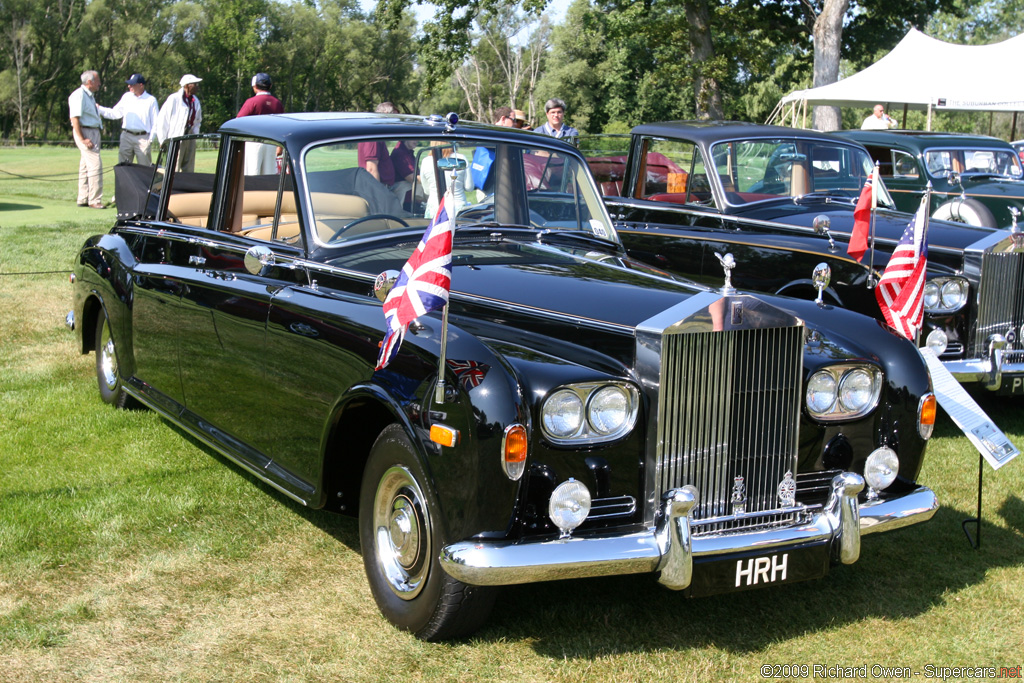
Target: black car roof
[
  {"x": 709, "y": 132},
  {"x": 301, "y": 129},
  {"x": 921, "y": 139}
]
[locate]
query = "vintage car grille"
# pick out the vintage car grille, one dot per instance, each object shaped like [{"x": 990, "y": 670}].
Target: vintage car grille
[
  {"x": 730, "y": 406},
  {"x": 1000, "y": 298}
]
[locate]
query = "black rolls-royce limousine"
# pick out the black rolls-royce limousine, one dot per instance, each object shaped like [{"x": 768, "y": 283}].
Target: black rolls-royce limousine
[{"x": 573, "y": 413}]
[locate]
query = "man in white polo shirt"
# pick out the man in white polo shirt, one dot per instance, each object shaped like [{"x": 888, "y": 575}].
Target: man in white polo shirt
[
  {"x": 86, "y": 126},
  {"x": 140, "y": 110}
]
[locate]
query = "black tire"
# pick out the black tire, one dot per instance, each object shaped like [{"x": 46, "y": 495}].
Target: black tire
[
  {"x": 969, "y": 211},
  {"x": 108, "y": 375},
  {"x": 401, "y": 538}
]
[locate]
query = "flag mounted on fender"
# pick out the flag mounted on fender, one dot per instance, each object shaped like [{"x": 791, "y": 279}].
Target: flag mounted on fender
[
  {"x": 423, "y": 284},
  {"x": 866, "y": 204},
  {"x": 900, "y": 292}
]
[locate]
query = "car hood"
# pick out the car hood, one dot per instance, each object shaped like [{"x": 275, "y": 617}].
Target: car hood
[{"x": 889, "y": 225}]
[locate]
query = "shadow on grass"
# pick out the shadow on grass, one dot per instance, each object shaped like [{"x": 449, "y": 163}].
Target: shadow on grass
[
  {"x": 9, "y": 206},
  {"x": 900, "y": 575}
]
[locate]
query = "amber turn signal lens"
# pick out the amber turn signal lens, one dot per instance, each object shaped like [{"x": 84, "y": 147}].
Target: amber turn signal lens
[
  {"x": 515, "y": 444},
  {"x": 444, "y": 435},
  {"x": 926, "y": 415},
  {"x": 513, "y": 451}
]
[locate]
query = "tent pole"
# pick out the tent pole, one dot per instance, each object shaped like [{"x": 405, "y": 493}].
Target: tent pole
[
  {"x": 905, "y": 116},
  {"x": 803, "y": 124}
]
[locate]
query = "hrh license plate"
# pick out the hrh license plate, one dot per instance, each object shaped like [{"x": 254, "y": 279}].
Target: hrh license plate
[{"x": 757, "y": 569}]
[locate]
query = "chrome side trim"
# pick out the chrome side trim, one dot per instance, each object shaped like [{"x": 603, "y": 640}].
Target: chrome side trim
[{"x": 668, "y": 547}]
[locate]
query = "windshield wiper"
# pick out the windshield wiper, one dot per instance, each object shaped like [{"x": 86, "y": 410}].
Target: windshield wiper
[{"x": 827, "y": 195}]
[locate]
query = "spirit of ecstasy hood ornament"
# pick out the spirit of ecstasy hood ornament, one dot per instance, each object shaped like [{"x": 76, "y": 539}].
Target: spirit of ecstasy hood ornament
[{"x": 728, "y": 263}]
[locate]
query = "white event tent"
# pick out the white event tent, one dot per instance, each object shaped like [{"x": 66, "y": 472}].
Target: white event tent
[{"x": 925, "y": 73}]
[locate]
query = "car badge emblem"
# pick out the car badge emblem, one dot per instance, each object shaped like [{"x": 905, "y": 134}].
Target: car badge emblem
[
  {"x": 787, "y": 490},
  {"x": 739, "y": 496},
  {"x": 728, "y": 263}
]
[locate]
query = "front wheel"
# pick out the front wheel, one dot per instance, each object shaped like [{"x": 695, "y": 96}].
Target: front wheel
[
  {"x": 108, "y": 374},
  {"x": 401, "y": 539}
]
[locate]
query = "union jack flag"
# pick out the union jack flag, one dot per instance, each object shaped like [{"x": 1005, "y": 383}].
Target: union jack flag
[
  {"x": 900, "y": 292},
  {"x": 470, "y": 373},
  {"x": 423, "y": 284}
]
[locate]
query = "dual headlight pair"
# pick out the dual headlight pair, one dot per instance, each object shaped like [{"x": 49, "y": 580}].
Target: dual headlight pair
[{"x": 945, "y": 294}]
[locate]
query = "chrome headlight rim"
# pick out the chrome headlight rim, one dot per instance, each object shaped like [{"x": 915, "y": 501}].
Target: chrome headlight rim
[
  {"x": 945, "y": 294},
  {"x": 842, "y": 376},
  {"x": 599, "y": 424}
]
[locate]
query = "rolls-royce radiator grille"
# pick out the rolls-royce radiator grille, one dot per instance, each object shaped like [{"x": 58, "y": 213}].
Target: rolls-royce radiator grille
[
  {"x": 1000, "y": 298},
  {"x": 728, "y": 422}
]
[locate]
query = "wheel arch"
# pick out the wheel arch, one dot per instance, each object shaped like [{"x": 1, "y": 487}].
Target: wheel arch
[{"x": 352, "y": 429}]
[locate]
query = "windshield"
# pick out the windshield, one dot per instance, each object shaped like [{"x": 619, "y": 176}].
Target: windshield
[
  {"x": 358, "y": 188},
  {"x": 757, "y": 170},
  {"x": 942, "y": 162}
]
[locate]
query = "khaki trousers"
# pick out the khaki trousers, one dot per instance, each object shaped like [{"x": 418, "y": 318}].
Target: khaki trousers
[
  {"x": 187, "y": 156},
  {"x": 136, "y": 146},
  {"x": 90, "y": 169}
]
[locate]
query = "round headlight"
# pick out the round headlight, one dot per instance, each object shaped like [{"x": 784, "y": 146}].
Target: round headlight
[
  {"x": 609, "y": 410},
  {"x": 954, "y": 295},
  {"x": 937, "y": 341},
  {"x": 881, "y": 468},
  {"x": 821, "y": 392},
  {"x": 931, "y": 295},
  {"x": 563, "y": 414},
  {"x": 569, "y": 505},
  {"x": 856, "y": 390}
]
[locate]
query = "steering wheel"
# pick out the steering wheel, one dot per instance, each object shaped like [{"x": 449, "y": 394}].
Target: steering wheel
[{"x": 363, "y": 219}]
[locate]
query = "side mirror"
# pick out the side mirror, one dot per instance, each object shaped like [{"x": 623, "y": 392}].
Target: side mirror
[
  {"x": 821, "y": 225},
  {"x": 953, "y": 178},
  {"x": 384, "y": 283},
  {"x": 821, "y": 278},
  {"x": 259, "y": 260}
]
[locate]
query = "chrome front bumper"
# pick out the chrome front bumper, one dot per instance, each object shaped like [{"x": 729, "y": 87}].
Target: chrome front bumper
[
  {"x": 670, "y": 549},
  {"x": 1000, "y": 366}
]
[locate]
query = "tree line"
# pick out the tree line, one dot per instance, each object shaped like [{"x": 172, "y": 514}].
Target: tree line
[{"x": 615, "y": 62}]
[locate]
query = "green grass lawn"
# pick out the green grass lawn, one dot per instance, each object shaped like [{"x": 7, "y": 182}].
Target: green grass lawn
[{"x": 128, "y": 552}]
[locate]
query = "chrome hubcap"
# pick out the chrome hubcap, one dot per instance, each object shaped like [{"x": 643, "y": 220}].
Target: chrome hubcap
[
  {"x": 402, "y": 532},
  {"x": 108, "y": 358}
]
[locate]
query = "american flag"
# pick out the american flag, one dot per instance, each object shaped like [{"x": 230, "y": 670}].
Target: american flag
[
  {"x": 423, "y": 284},
  {"x": 900, "y": 292}
]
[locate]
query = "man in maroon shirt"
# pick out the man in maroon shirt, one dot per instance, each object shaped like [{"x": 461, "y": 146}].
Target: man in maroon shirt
[
  {"x": 374, "y": 157},
  {"x": 261, "y": 159}
]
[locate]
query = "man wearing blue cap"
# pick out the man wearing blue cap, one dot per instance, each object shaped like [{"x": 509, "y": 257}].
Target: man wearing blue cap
[{"x": 139, "y": 110}]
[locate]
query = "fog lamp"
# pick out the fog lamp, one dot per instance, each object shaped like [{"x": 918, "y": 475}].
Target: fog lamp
[
  {"x": 880, "y": 470},
  {"x": 937, "y": 341},
  {"x": 569, "y": 506}
]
